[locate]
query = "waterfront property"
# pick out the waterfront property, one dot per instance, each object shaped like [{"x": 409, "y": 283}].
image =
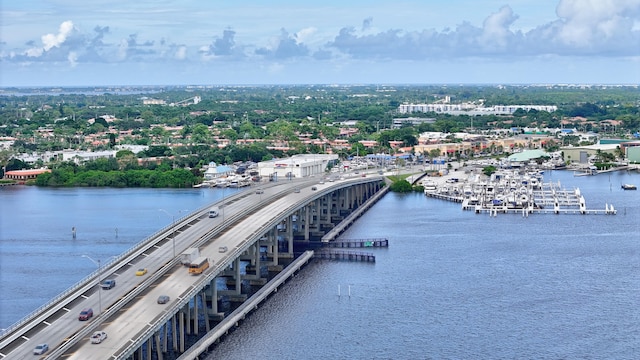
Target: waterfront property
[{"x": 21, "y": 176}]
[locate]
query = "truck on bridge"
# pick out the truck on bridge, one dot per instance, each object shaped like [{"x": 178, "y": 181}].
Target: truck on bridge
[
  {"x": 199, "y": 266},
  {"x": 189, "y": 256}
]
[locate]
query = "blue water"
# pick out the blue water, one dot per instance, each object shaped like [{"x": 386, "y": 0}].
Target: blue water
[{"x": 451, "y": 285}]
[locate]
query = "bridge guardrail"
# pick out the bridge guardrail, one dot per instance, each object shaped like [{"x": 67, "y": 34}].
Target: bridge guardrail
[
  {"x": 124, "y": 300},
  {"x": 209, "y": 275},
  {"x": 145, "y": 244},
  {"x": 128, "y": 297},
  {"x": 6, "y": 336}
]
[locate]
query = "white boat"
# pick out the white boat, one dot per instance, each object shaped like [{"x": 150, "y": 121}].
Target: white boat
[
  {"x": 628, "y": 187},
  {"x": 429, "y": 186}
]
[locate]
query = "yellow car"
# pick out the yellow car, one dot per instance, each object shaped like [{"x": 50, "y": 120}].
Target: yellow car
[{"x": 141, "y": 271}]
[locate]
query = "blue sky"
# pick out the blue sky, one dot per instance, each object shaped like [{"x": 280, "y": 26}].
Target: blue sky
[{"x": 160, "y": 42}]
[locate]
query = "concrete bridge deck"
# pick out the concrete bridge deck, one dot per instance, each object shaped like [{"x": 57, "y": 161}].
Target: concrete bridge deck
[{"x": 129, "y": 312}]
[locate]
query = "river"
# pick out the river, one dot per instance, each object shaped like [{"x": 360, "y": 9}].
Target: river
[{"x": 451, "y": 285}]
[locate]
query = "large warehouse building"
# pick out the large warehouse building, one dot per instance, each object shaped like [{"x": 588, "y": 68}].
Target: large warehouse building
[{"x": 297, "y": 166}]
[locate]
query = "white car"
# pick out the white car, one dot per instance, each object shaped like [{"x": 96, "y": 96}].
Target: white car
[
  {"x": 40, "y": 349},
  {"x": 98, "y": 337}
]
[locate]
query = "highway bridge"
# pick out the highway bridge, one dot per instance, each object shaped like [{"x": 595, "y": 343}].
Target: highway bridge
[{"x": 255, "y": 236}]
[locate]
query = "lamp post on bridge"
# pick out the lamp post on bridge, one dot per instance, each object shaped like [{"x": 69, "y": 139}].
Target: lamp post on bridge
[
  {"x": 173, "y": 226},
  {"x": 97, "y": 263},
  {"x": 222, "y": 207}
]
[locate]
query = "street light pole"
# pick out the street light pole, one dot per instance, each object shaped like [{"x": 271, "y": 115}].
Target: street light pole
[
  {"x": 99, "y": 274},
  {"x": 173, "y": 225},
  {"x": 173, "y": 232},
  {"x": 173, "y": 235}
]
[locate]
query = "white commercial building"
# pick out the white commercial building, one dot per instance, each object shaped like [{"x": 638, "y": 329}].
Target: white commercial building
[
  {"x": 471, "y": 109},
  {"x": 297, "y": 166}
]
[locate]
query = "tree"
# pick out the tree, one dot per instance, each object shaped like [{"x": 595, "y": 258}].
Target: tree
[
  {"x": 402, "y": 186},
  {"x": 201, "y": 134},
  {"x": 488, "y": 170},
  {"x": 16, "y": 164},
  {"x": 433, "y": 153},
  {"x": 358, "y": 149},
  {"x": 229, "y": 134}
]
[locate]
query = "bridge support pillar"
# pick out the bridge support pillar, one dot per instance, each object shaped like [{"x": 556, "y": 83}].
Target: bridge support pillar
[
  {"x": 258, "y": 259},
  {"x": 149, "y": 347},
  {"x": 307, "y": 221},
  {"x": 181, "y": 332},
  {"x": 325, "y": 218},
  {"x": 187, "y": 315},
  {"x": 195, "y": 314},
  {"x": 205, "y": 311},
  {"x": 290, "y": 234},
  {"x": 174, "y": 331},
  {"x": 156, "y": 336},
  {"x": 214, "y": 296},
  {"x": 165, "y": 345},
  {"x": 237, "y": 276}
]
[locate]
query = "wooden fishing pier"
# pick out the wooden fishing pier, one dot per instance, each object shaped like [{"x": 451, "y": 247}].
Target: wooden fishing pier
[
  {"x": 358, "y": 243},
  {"x": 328, "y": 254}
]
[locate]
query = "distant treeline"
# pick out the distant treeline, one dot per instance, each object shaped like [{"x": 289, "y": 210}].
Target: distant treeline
[{"x": 175, "y": 178}]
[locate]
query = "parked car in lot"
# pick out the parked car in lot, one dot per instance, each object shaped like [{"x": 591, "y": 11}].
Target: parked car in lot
[
  {"x": 141, "y": 271},
  {"x": 163, "y": 299},
  {"x": 98, "y": 337},
  {"x": 40, "y": 349},
  {"x": 108, "y": 284},
  {"x": 85, "y": 314}
]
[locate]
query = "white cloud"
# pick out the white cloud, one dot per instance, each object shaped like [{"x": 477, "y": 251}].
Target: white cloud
[
  {"x": 181, "y": 53},
  {"x": 51, "y": 40},
  {"x": 585, "y": 22},
  {"x": 495, "y": 29},
  {"x": 582, "y": 28},
  {"x": 306, "y": 34},
  {"x": 73, "y": 58},
  {"x": 123, "y": 47}
]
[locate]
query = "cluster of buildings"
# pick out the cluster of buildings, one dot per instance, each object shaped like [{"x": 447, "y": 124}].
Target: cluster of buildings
[{"x": 471, "y": 108}]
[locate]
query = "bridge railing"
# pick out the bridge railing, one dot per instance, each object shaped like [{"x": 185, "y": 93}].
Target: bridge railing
[
  {"x": 201, "y": 283},
  {"x": 85, "y": 331},
  {"x": 95, "y": 274}
]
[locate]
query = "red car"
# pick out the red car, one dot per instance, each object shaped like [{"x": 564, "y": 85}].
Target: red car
[{"x": 85, "y": 314}]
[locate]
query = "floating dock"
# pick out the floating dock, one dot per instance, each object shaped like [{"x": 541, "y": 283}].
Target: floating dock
[{"x": 514, "y": 194}]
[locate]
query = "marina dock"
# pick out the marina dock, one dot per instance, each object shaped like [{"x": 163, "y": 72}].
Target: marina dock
[{"x": 511, "y": 192}]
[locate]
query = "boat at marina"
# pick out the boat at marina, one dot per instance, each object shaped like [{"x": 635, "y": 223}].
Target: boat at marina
[{"x": 513, "y": 191}]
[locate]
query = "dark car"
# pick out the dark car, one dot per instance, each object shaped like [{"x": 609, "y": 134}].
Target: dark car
[
  {"x": 163, "y": 299},
  {"x": 85, "y": 314},
  {"x": 108, "y": 284}
]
